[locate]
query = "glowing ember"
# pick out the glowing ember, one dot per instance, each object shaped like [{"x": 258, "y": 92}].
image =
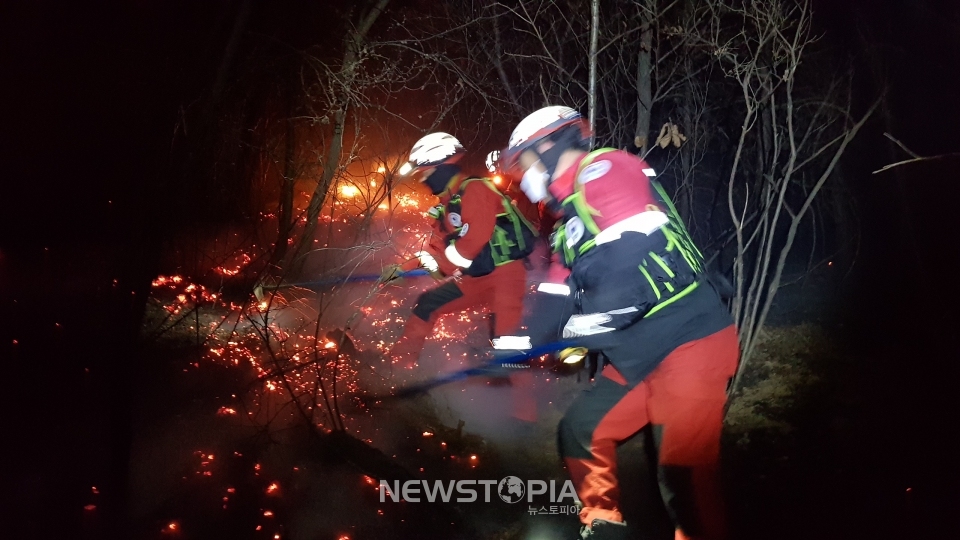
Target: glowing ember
[
  {"x": 90, "y": 507},
  {"x": 173, "y": 525},
  {"x": 283, "y": 356},
  {"x": 164, "y": 281},
  {"x": 267, "y": 513}
]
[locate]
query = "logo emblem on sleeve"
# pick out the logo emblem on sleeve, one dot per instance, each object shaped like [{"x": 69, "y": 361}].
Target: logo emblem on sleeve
[
  {"x": 594, "y": 171},
  {"x": 574, "y": 229}
]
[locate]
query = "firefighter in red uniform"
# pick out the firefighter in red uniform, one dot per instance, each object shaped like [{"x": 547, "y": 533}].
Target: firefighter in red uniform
[
  {"x": 668, "y": 343},
  {"x": 535, "y": 213},
  {"x": 480, "y": 240}
]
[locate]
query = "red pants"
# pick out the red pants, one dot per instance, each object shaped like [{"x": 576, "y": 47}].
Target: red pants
[
  {"x": 684, "y": 399},
  {"x": 501, "y": 293}
]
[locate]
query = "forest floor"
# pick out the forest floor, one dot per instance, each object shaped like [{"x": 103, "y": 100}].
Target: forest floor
[{"x": 800, "y": 454}]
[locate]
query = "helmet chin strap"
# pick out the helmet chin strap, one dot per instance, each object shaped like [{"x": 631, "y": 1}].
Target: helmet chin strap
[
  {"x": 442, "y": 174},
  {"x": 550, "y": 158},
  {"x": 563, "y": 140}
]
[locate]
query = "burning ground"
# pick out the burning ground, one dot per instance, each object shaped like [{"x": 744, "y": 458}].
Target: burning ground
[
  {"x": 261, "y": 419},
  {"x": 263, "y": 423}
]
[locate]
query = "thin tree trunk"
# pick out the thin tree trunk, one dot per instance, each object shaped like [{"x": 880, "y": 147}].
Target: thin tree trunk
[
  {"x": 230, "y": 51},
  {"x": 285, "y": 214},
  {"x": 795, "y": 222},
  {"x": 644, "y": 85},
  {"x": 497, "y": 60},
  {"x": 347, "y": 78},
  {"x": 594, "y": 34}
]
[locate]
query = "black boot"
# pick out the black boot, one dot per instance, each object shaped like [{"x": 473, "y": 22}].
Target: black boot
[{"x": 601, "y": 529}]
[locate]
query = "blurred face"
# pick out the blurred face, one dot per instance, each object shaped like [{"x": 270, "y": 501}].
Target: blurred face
[
  {"x": 423, "y": 173},
  {"x": 528, "y": 159},
  {"x": 535, "y": 177}
]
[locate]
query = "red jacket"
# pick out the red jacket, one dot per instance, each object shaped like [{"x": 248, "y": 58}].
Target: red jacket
[
  {"x": 479, "y": 206},
  {"x": 614, "y": 185}
]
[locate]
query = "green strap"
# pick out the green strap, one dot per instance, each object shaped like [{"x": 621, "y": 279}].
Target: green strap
[
  {"x": 678, "y": 296},
  {"x": 677, "y": 233},
  {"x": 500, "y": 244},
  {"x": 662, "y": 264},
  {"x": 584, "y": 212},
  {"x": 653, "y": 284},
  {"x": 587, "y": 161},
  {"x": 508, "y": 208}
]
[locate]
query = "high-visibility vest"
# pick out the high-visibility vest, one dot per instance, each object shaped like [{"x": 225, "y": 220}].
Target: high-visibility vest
[
  {"x": 672, "y": 265},
  {"x": 512, "y": 239}
]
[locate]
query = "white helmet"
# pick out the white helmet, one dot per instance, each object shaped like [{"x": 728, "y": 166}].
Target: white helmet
[
  {"x": 434, "y": 149},
  {"x": 538, "y": 125},
  {"x": 492, "y": 161}
]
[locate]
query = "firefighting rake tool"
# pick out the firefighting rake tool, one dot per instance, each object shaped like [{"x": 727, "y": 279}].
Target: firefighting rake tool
[
  {"x": 259, "y": 290},
  {"x": 497, "y": 366}
]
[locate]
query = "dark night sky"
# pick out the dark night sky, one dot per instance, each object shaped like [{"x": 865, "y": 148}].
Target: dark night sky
[
  {"x": 95, "y": 95},
  {"x": 91, "y": 93}
]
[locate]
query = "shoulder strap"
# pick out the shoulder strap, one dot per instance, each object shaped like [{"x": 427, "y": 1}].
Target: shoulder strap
[{"x": 486, "y": 182}]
